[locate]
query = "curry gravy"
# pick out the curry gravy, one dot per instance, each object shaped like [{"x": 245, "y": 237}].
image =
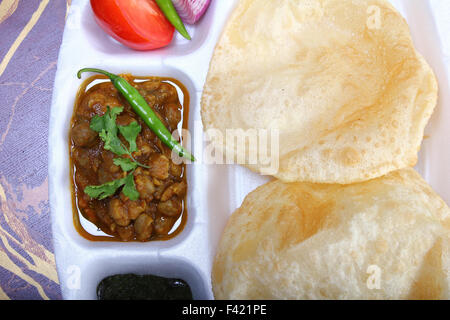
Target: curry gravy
[{"x": 90, "y": 164}]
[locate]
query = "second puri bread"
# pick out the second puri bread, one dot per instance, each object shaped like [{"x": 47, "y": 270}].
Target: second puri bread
[{"x": 386, "y": 238}]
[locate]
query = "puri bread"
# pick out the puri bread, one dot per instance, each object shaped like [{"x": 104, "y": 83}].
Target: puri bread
[
  {"x": 340, "y": 80},
  {"x": 313, "y": 241}
]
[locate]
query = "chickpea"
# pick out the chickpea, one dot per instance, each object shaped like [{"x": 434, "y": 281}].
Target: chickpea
[
  {"x": 143, "y": 227},
  {"x": 118, "y": 212}
]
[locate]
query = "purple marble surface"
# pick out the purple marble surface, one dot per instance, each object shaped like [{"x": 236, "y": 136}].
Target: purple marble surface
[{"x": 30, "y": 37}]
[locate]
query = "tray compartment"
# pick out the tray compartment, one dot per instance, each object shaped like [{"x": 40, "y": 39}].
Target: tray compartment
[
  {"x": 83, "y": 279},
  {"x": 102, "y": 42}
]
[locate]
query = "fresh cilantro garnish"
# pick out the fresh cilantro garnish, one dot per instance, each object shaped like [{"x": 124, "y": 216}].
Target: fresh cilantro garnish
[
  {"x": 107, "y": 128},
  {"x": 130, "y": 188},
  {"x": 105, "y": 190},
  {"x": 108, "y": 189},
  {"x": 108, "y": 131},
  {"x": 130, "y": 133},
  {"x": 125, "y": 163}
]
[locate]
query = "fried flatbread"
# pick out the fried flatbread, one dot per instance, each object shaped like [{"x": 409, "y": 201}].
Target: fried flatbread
[
  {"x": 386, "y": 238},
  {"x": 339, "y": 80}
]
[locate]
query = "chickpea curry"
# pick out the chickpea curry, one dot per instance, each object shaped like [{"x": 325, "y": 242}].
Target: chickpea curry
[{"x": 125, "y": 180}]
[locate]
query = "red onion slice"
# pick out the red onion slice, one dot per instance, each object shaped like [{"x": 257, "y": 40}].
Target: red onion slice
[{"x": 190, "y": 11}]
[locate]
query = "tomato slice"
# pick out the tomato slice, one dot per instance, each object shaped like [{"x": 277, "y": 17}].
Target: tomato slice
[{"x": 138, "y": 24}]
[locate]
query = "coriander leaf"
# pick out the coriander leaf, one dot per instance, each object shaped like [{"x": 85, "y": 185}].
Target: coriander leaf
[
  {"x": 130, "y": 133},
  {"x": 108, "y": 131},
  {"x": 130, "y": 188},
  {"x": 113, "y": 143},
  {"x": 125, "y": 163},
  {"x": 110, "y": 119},
  {"x": 97, "y": 123},
  {"x": 105, "y": 190},
  {"x": 107, "y": 128}
]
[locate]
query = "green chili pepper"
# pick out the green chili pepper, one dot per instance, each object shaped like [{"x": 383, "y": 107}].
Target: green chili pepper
[
  {"x": 141, "y": 107},
  {"x": 171, "y": 14}
]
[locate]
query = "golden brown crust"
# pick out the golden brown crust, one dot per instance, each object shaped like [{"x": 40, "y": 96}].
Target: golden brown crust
[{"x": 313, "y": 241}]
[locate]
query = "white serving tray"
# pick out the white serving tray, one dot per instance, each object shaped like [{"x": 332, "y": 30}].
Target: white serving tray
[{"x": 215, "y": 191}]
